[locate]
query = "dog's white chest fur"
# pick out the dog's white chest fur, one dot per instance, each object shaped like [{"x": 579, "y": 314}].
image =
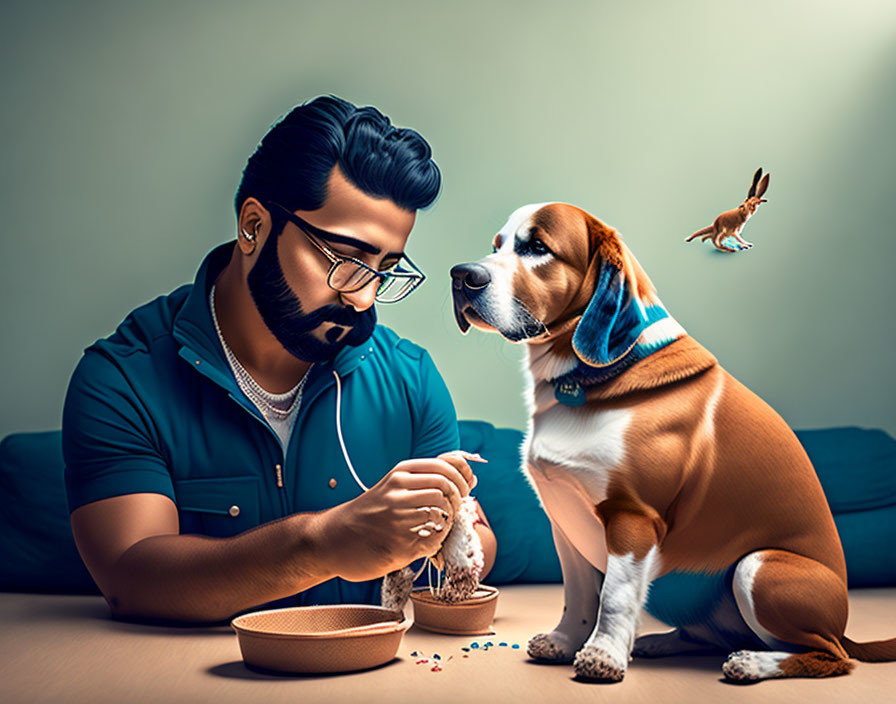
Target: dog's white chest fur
[{"x": 571, "y": 455}]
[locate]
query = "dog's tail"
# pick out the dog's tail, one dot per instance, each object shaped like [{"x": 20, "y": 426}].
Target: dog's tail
[
  {"x": 874, "y": 651},
  {"x": 698, "y": 233}
]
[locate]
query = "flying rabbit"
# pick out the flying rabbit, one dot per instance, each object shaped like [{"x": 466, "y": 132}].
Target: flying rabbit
[{"x": 731, "y": 222}]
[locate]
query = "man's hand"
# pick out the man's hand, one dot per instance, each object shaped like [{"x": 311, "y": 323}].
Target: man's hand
[
  {"x": 459, "y": 460},
  {"x": 374, "y": 533}
]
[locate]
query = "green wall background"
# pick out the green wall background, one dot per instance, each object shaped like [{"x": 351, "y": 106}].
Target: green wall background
[{"x": 125, "y": 127}]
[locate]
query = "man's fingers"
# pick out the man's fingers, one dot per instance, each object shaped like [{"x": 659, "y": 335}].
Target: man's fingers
[
  {"x": 458, "y": 460},
  {"x": 436, "y": 468},
  {"x": 429, "y": 497}
]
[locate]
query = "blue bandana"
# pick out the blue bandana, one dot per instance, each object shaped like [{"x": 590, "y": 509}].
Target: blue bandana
[{"x": 610, "y": 336}]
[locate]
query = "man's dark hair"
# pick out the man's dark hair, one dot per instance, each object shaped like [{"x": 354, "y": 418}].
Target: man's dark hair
[{"x": 294, "y": 159}]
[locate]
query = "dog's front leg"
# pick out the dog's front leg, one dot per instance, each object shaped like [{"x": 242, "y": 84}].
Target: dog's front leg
[
  {"x": 633, "y": 539},
  {"x": 581, "y": 587}
]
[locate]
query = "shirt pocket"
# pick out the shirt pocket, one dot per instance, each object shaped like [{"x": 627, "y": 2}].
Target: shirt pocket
[{"x": 217, "y": 506}]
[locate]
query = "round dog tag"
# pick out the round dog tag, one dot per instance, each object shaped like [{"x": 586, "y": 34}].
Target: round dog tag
[{"x": 569, "y": 393}]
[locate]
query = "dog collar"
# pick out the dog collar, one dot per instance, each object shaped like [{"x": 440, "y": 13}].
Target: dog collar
[{"x": 570, "y": 388}]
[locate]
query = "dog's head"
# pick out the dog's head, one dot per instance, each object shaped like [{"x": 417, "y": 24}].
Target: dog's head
[{"x": 556, "y": 269}]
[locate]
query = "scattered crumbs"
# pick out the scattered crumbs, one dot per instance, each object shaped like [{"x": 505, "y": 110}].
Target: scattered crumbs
[{"x": 436, "y": 662}]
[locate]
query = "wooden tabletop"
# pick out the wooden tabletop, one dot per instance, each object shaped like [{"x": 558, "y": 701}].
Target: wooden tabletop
[{"x": 67, "y": 649}]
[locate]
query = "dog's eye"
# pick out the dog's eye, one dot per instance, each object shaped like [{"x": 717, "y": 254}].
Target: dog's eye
[{"x": 538, "y": 247}]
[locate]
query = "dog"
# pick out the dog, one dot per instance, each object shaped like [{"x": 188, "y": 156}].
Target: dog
[{"x": 649, "y": 457}]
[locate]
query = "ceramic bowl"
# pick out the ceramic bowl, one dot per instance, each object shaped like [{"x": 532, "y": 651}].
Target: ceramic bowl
[
  {"x": 314, "y": 639},
  {"x": 468, "y": 618}
]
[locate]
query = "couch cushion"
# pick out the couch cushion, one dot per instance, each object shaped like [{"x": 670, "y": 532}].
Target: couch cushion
[
  {"x": 37, "y": 550},
  {"x": 857, "y": 469},
  {"x": 856, "y": 466}
]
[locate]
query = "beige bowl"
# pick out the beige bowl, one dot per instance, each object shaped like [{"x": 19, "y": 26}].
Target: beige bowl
[
  {"x": 471, "y": 617},
  {"x": 314, "y": 639}
]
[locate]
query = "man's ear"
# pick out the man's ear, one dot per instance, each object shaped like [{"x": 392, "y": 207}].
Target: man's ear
[{"x": 253, "y": 226}]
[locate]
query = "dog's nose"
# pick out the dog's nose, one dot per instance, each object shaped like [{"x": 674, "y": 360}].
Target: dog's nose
[{"x": 472, "y": 276}]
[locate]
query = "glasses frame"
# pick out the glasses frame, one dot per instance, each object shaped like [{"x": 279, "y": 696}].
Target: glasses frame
[{"x": 416, "y": 275}]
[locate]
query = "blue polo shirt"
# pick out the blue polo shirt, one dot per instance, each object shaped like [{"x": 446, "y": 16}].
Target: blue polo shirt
[{"x": 155, "y": 408}]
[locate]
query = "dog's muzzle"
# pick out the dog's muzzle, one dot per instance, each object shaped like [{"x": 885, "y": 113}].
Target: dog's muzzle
[
  {"x": 471, "y": 277},
  {"x": 467, "y": 281},
  {"x": 469, "y": 287}
]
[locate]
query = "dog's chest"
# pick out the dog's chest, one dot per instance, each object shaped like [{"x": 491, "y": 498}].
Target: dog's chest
[
  {"x": 579, "y": 439},
  {"x": 572, "y": 455}
]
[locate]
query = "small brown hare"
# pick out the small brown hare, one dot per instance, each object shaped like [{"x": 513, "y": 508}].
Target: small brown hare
[{"x": 730, "y": 223}]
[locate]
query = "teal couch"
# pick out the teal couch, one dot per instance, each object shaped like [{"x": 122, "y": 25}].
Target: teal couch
[{"x": 857, "y": 469}]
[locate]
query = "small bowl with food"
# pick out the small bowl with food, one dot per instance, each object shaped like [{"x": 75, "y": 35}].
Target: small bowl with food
[{"x": 466, "y": 617}]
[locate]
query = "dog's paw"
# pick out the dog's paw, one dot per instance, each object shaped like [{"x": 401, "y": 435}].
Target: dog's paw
[
  {"x": 550, "y": 647},
  {"x": 750, "y": 665},
  {"x": 595, "y": 663}
]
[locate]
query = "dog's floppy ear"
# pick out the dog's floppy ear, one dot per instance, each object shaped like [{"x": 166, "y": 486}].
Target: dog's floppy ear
[
  {"x": 612, "y": 322},
  {"x": 622, "y": 306}
]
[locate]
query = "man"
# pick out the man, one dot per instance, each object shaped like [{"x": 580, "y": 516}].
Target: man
[{"x": 219, "y": 444}]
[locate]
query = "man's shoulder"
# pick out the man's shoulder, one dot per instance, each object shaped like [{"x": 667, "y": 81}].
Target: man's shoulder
[
  {"x": 145, "y": 328},
  {"x": 134, "y": 362},
  {"x": 386, "y": 339}
]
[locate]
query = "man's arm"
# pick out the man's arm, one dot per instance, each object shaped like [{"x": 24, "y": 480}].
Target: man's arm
[
  {"x": 145, "y": 569},
  {"x": 131, "y": 546}
]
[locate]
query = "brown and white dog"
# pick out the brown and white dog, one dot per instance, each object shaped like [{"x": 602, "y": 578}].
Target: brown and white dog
[{"x": 649, "y": 457}]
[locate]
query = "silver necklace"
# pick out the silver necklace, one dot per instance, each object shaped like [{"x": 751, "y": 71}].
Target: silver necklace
[{"x": 267, "y": 402}]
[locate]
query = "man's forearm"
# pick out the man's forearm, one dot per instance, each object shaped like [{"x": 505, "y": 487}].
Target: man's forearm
[{"x": 197, "y": 578}]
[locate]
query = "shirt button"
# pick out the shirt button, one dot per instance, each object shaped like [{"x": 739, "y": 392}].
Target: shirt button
[
  {"x": 332, "y": 483},
  {"x": 234, "y": 511}
]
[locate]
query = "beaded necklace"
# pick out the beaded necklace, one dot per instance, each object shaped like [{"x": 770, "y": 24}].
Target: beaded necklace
[{"x": 280, "y": 406}]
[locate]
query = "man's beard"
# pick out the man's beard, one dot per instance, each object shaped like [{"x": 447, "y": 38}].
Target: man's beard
[{"x": 282, "y": 312}]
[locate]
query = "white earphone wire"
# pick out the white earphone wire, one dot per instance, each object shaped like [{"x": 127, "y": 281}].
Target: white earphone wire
[
  {"x": 351, "y": 468},
  {"x": 339, "y": 431}
]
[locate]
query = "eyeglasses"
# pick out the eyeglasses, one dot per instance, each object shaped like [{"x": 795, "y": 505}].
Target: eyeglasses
[{"x": 349, "y": 275}]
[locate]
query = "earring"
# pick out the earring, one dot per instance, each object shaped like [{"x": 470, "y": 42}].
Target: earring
[{"x": 251, "y": 238}]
